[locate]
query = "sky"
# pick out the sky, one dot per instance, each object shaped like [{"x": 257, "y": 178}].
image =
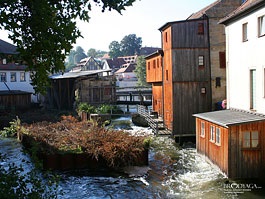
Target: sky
[{"x": 143, "y": 18}]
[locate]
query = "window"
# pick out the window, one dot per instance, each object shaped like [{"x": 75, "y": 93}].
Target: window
[
  {"x": 3, "y": 77},
  {"x": 166, "y": 37},
  {"x": 201, "y": 61},
  {"x": 4, "y": 61},
  {"x": 154, "y": 63},
  {"x": 245, "y": 32},
  {"x": 218, "y": 136},
  {"x": 222, "y": 60},
  {"x": 22, "y": 76},
  {"x": 13, "y": 77},
  {"x": 200, "y": 29},
  {"x": 202, "y": 129},
  {"x": 261, "y": 26},
  {"x": 253, "y": 89},
  {"x": 212, "y": 133},
  {"x": 157, "y": 60},
  {"x": 251, "y": 139}
]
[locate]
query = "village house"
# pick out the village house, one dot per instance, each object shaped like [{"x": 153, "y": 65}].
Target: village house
[
  {"x": 15, "y": 83},
  {"x": 233, "y": 139},
  {"x": 188, "y": 76}
]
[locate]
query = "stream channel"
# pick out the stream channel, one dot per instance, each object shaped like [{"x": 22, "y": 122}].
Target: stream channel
[{"x": 173, "y": 172}]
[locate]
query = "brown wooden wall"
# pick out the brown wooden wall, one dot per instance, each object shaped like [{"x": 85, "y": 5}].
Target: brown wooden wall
[
  {"x": 218, "y": 154},
  {"x": 9, "y": 101},
  {"x": 189, "y": 99},
  {"x": 168, "y": 89},
  {"x": 186, "y": 65},
  {"x": 246, "y": 163},
  {"x": 98, "y": 91},
  {"x": 188, "y": 34},
  {"x": 230, "y": 156},
  {"x": 154, "y": 69},
  {"x": 157, "y": 101}
]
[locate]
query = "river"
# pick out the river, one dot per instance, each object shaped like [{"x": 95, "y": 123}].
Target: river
[{"x": 173, "y": 172}]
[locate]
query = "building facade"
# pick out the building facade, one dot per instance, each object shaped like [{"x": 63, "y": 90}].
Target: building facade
[{"x": 193, "y": 66}]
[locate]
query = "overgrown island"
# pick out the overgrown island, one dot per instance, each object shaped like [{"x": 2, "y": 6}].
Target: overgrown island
[{"x": 72, "y": 143}]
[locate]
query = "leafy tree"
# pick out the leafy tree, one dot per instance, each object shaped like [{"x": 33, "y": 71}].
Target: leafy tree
[
  {"x": 131, "y": 45},
  {"x": 115, "y": 49},
  {"x": 140, "y": 71},
  {"x": 45, "y": 30},
  {"x": 79, "y": 54},
  {"x": 92, "y": 52},
  {"x": 74, "y": 57}
]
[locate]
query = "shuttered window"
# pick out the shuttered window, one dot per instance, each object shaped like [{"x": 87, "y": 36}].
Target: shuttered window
[
  {"x": 222, "y": 59},
  {"x": 200, "y": 29}
]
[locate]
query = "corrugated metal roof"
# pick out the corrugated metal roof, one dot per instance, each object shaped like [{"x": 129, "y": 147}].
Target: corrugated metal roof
[
  {"x": 78, "y": 74},
  {"x": 230, "y": 117},
  {"x": 7, "y": 48}
]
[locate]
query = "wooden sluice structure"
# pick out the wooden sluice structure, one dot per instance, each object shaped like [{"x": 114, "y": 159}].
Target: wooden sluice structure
[{"x": 155, "y": 123}]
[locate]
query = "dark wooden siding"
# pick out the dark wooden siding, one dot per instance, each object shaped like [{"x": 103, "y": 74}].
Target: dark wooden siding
[
  {"x": 15, "y": 100},
  {"x": 188, "y": 100},
  {"x": 186, "y": 65},
  {"x": 246, "y": 163},
  {"x": 187, "y": 35}
]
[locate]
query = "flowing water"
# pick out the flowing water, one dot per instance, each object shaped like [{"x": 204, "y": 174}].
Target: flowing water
[{"x": 172, "y": 172}]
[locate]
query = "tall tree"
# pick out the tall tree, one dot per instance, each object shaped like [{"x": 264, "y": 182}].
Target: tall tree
[
  {"x": 131, "y": 45},
  {"x": 79, "y": 55},
  {"x": 140, "y": 71},
  {"x": 92, "y": 52},
  {"x": 44, "y": 31},
  {"x": 115, "y": 49}
]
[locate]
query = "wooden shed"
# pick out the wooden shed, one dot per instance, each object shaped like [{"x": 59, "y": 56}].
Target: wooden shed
[
  {"x": 14, "y": 99},
  {"x": 234, "y": 140},
  {"x": 82, "y": 86}
]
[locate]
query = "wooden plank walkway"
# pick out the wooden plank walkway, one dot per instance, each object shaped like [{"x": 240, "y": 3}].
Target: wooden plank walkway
[{"x": 156, "y": 124}]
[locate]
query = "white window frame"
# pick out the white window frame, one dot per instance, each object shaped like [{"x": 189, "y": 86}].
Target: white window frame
[
  {"x": 245, "y": 32},
  {"x": 22, "y": 76},
  {"x": 218, "y": 136},
  {"x": 13, "y": 76},
  {"x": 202, "y": 133},
  {"x": 261, "y": 26},
  {"x": 2, "y": 76},
  {"x": 212, "y": 133}
]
